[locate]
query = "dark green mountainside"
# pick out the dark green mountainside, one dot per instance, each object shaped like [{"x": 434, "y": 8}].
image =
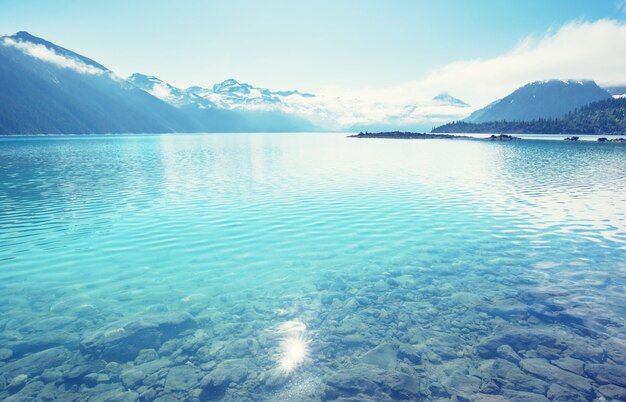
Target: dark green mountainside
[{"x": 601, "y": 117}]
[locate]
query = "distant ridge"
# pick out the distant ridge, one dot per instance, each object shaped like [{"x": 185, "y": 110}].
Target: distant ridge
[{"x": 541, "y": 99}]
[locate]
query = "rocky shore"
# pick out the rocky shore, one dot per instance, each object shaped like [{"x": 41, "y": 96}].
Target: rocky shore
[
  {"x": 604, "y": 139},
  {"x": 403, "y": 135},
  {"x": 503, "y": 137}
]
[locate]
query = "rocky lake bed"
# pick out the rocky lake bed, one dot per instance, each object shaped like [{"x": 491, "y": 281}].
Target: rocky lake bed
[{"x": 398, "y": 336}]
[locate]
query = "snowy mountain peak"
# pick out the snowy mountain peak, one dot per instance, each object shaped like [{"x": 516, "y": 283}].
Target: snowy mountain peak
[
  {"x": 563, "y": 82},
  {"x": 445, "y": 98},
  {"x": 170, "y": 94}
]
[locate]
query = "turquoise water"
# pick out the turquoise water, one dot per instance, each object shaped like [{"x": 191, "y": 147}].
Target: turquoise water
[{"x": 311, "y": 267}]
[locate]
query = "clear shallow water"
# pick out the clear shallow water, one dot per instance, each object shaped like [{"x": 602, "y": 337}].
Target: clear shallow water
[{"x": 161, "y": 267}]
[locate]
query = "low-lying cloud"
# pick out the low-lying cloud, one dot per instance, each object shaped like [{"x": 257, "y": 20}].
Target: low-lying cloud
[
  {"x": 44, "y": 53},
  {"x": 577, "y": 50}
]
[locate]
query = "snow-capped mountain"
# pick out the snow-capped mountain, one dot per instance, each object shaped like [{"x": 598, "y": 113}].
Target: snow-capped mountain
[
  {"x": 541, "y": 99},
  {"x": 168, "y": 93},
  {"x": 232, "y": 106},
  {"x": 229, "y": 94},
  {"x": 233, "y": 93},
  {"x": 445, "y": 98}
]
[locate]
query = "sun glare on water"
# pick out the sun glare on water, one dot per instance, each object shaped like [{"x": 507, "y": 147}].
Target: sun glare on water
[{"x": 293, "y": 347}]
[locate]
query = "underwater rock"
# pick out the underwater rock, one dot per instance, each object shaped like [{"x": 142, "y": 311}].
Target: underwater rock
[
  {"x": 138, "y": 374},
  {"x": 383, "y": 356},
  {"x": 5, "y": 354},
  {"x": 351, "y": 326},
  {"x": 615, "y": 350},
  {"x": 461, "y": 384},
  {"x": 506, "y": 311},
  {"x": 437, "y": 389},
  {"x": 111, "y": 393},
  {"x": 547, "y": 353},
  {"x": 521, "y": 396},
  {"x": 240, "y": 348},
  {"x": 76, "y": 373},
  {"x": 354, "y": 339},
  {"x": 354, "y": 380},
  {"x": 181, "y": 378},
  {"x": 93, "y": 379},
  {"x": 121, "y": 341},
  {"x": 607, "y": 373},
  {"x": 275, "y": 378},
  {"x": 444, "y": 352},
  {"x": 51, "y": 375},
  {"x": 402, "y": 386},
  {"x": 584, "y": 350},
  {"x": 543, "y": 369},
  {"x": 148, "y": 395},
  {"x": 558, "y": 393},
  {"x": 507, "y": 353},
  {"x": 146, "y": 355},
  {"x": 570, "y": 364},
  {"x": 411, "y": 352},
  {"x": 34, "y": 364},
  {"x": 48, "y": 324},
  {"x": 168, "y": 348},
  {"x": 488, "y": 398},
  {"x": 518, "y": 339},
  {"x": 613, "y": 392},
  {"x": 223, "y": 375},
  {"x": 466, "y": 299},
  {"x": 48, "y": 393},
  {"x": 42, "y": 342},
  {"x": 17, "y": 382},
  {"x": 508, "y": 376},
  {"x": 29, "y": 392}
]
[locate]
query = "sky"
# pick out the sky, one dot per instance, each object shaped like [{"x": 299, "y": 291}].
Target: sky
[
  {"x": 282, "y": 44},
  {"x": 383, "y": 59}
]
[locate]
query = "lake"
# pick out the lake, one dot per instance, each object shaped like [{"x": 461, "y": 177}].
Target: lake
[{"x": 311, "y": 267}]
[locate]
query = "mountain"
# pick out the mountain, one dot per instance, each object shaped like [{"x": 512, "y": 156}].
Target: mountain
[
  {"x": 231, "y": 106},
  {"x": 540, "y": 99},
  {"x": 229, "y": 94},
  {"x": 49, "y": 89},
  {"x": 168, "y": 93},
  {"x": 617, "y": 91},
  {"x": 606, "y": 116},
  {"x": 445, "y": 98}
]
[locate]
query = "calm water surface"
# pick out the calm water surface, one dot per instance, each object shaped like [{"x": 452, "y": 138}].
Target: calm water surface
[{"x": 311, "y": 267}]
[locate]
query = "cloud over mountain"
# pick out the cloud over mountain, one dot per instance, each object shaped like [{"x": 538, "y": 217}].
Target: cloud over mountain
[
  {"x": 577, "y": 50},
  {"x": 44, "y": 53}
]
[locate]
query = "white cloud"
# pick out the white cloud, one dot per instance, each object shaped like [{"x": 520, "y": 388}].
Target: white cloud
[
  {"x": 44, "y": 53},
  {"x": 577, "y": 50}
]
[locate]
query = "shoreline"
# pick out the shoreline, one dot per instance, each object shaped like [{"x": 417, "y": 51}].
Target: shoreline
[{"x": 490, "y": 137}]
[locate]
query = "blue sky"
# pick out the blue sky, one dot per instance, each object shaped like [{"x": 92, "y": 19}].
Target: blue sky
[{"x": 295, "y": 44}]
